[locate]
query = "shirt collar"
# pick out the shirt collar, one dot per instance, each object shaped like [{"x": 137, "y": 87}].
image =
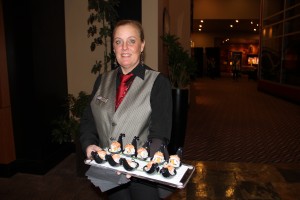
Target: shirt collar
[{"x": 137, "y": 71}]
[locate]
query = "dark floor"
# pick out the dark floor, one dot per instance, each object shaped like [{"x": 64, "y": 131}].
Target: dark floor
[{"x": 243, "y": 143}]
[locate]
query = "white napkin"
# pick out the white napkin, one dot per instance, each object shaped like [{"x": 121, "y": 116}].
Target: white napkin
[{"x": 105, "y": 179}]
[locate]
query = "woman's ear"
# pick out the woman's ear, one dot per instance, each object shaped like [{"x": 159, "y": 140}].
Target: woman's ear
[{"x": 142, "y": 46}]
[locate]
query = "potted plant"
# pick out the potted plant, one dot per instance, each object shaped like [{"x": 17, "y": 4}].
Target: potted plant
[
  {"x": 66, "y": 127},
  {"x": 181, "y": 71},
  {"x": 102, "y": 18},
  {"x": 181, "y": 66}
]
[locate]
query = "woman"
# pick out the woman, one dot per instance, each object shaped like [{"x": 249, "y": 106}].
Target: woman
[{"x": 145, "y": 110}]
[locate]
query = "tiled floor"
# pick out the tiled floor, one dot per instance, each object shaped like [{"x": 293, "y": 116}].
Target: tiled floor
[
  {"x": 244, "y": 145},
  {"x": 241, "y": 181},
  {"x": 231, "y": 121}
]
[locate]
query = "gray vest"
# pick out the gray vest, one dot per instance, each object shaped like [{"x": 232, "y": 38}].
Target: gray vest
[{"x": 132, "y": 116}]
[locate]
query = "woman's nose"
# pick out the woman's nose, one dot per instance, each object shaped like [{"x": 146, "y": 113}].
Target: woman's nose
[{"x": 124, "y": 46}]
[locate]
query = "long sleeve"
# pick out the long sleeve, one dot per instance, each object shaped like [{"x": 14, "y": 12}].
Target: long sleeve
[
  {"x": 88, "y": 131},
  {"x": 161, "y": 104}
]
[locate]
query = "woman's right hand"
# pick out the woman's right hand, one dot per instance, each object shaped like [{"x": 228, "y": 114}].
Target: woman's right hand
[{"x": 91, "y": 148}]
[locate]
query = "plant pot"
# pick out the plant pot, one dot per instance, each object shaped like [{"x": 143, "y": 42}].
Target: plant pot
[{"x": 180, "y": 109}]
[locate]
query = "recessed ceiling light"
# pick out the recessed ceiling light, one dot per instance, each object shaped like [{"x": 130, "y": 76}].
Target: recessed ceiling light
[
  {"x": 237, "y": 21},
  {"x": 201, "y": 21},
  {"x": 200, "y": 25},
  {"x": 200, "y": 29},
  {"x": 231, "y": 26},
  {"x": 254, "y": 29}
]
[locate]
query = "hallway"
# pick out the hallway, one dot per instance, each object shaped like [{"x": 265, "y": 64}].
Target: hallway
[
  {"x": 244, "y": 144},
  {"x": 233, "y": 122}
]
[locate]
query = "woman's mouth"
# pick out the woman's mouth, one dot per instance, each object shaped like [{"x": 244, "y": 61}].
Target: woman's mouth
[{"x": 125, "y": 54}]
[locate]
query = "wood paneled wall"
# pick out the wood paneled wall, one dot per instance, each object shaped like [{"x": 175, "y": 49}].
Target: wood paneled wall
[
  {"x": 36, "y": 67},
  {"x": 7, "y": 146}
]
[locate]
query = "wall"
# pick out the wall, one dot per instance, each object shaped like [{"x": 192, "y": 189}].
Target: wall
[
  {"x": 150, "y": 25},
  {"x": 162, "y": 59},
  {"x": 202, "y": 39},
  {"x": 208, "y": 39},
  {"x": 220, "y": 9},
  {"x": 7, "y": 146},
  {"x": 80, "y": 59},
  {"x": 180, "y": 18},
  {"x": 36, "y": 66}
]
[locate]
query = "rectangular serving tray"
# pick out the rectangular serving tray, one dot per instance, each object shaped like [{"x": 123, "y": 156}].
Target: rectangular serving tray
[{"x": 183, "y": 173}]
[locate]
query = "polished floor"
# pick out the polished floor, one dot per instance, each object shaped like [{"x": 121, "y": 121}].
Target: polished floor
[
  {"x": 231, "y": 121},
  {"x": 244, "y": 144}
]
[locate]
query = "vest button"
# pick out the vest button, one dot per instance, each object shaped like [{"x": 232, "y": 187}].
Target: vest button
[{"x": 113, "y": 124}]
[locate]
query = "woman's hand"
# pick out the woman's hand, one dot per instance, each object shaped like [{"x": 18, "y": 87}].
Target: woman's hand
[
  {"x": 127, "y": 175},
  {"x": 95, "y": 148},
  {"x": 91, "y": 148}
]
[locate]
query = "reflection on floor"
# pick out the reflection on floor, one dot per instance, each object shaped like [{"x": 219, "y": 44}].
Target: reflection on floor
[{"x": 241, "y": 181}]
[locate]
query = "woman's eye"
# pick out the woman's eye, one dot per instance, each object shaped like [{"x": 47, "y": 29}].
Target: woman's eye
[
  {"x": 118, "y": 42},
  {"x": 131, "y": 41}
]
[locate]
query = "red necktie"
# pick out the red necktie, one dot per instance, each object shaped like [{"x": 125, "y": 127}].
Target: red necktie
[{"x": 122, "y": 89}]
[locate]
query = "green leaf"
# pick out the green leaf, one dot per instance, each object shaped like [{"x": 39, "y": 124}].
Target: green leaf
[
  {"x": 103, "y": 16},
  {"x": 181, "y": 66},
  {"x": 66, "y": 127}
]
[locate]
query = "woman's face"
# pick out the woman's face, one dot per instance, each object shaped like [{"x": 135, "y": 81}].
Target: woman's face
[{"x": 127, "y": 47}]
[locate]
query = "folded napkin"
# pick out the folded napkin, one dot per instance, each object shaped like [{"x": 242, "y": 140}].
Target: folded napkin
[{"x": 105, "y": 179}]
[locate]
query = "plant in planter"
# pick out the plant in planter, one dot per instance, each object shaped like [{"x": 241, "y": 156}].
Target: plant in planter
[
  {"x": 66, "y": 128},
  {"x": 102, "y": 18},
  {"x": 182, "y": 69}
]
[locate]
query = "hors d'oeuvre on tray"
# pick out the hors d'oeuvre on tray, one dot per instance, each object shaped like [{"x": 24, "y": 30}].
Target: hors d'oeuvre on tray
[
  {"x": 113, "y": 159},
  {"x": 129, "y": 150},
  {"x": 115, "y": 147},
  {"x": 174, "y": 160},
  {"x": 151, "y": 167},
  {"x": 142, "y": 153},
  {"x": 168, "y": 170},
  {"x": 99, "y": 156},
  {"x": 129, "y": 164},
  {"x": 158, "y": 157}
]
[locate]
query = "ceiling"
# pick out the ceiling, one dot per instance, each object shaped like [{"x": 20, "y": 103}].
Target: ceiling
[{"x": 223, "y": 26}]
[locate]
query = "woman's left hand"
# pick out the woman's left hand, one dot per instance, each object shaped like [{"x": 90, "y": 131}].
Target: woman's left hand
[
  {"x": 127, "y": 175},
  {"x": 91, "y": 148}
]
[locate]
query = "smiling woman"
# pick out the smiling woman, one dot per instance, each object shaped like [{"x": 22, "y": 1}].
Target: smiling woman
[
  {"x": 145, "y": 94},
  {"x": 128, "y": 45}
]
